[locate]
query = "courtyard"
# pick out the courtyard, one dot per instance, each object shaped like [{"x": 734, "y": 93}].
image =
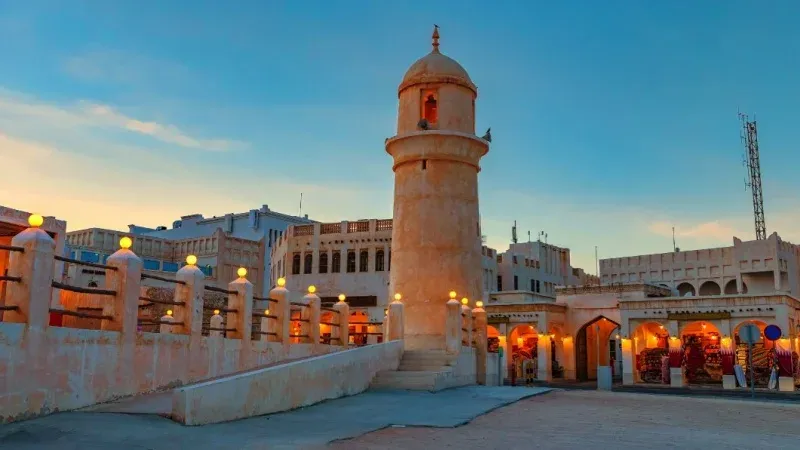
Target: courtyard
[
  {"x": 469, "y": 417},
  {"x": 592, "y": 419}
]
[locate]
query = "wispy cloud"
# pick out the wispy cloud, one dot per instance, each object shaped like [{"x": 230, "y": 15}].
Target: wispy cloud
[
  {"x": 117, "y": 67},
  {"x": 714, "y": 231},
  {"x": 15, "y": 106}
]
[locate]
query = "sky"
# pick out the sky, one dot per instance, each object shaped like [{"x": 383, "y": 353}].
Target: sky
[{"x": 612, "y": 122}]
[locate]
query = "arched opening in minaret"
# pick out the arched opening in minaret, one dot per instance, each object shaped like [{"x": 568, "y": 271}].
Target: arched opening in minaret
[{"x": 430, "y": 111}]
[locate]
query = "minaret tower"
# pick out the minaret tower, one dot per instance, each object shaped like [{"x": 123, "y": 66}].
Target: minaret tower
[{"x": 436, "y": 236}]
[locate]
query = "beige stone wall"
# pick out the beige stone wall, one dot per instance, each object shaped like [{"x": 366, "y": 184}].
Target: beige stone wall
[{"x": 59, "y": 369}]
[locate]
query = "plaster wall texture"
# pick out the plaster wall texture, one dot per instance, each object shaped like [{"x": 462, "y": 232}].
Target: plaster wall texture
[
  {"x": 284, "y": 387},
  {"x": 56, "y": 369}
]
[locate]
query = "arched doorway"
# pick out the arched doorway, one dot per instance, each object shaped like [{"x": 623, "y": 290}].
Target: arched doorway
[
  {"x": 702, "y": 360},
  {"x": 762, "y": 354},
  {"x": 651, "y": 350},
  {"x": 731, "y": 289},
  {"x": 592, "y": 347},
  {"x": 359, "y": 328},
  {"x": 686, "y": 290},
  {"x": 710, "y": 288},
  {"x": 523, "y": 341}
]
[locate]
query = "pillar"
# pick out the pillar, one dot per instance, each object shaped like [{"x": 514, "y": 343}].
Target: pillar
[
  {"x": 281, "y": 309},
  {"x": 343, "y": 321},
  {"x": 165, "y": 328},
  {"x": 728, "y": 357},
  {"x": 783, "y": 349},
  {"x": 628, "y": 362},
  {"x": 675, "y": 363},
  {"x": 396, "y": 321},
  {"x": 240, "y": 311},
  {"x": 466, "y": 325},
  {"x": 126, "y": 280},
  {"x": 216, "y": 321},
  {"x": 568, "y": 346},
  {"x": 481, "y": 343},
  {"x": 545, "y": 361},
  {"x": 453, "y": 327},
  {"x": 189, "y": 315},
  {"x": 313, "y": 315},
  {"x": 34, "y": 265}
]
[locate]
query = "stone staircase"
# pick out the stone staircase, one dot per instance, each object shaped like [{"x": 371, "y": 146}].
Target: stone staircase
[{"x": 419, "y": 370}]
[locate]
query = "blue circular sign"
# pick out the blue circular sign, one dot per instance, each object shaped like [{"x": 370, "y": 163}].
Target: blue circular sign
[{"x": 772, "y": 332}]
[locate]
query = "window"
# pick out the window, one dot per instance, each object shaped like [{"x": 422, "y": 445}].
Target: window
[
  {"x": 169, "y": 267},
  {"x": 499, "y": 282},
  {"x": 390, "y": 259},
  {"x": 307, "y": 263},
  {"x": 336, "y": 263},
  {"x": 363, "y": 263},
  {"x": 91, "y": 257},
  {"x": 379, "y": 262},
  {"x": 296, "y": 264},
  {"x": 538, "y": 286},
  {"x": 533, "y": 285},
  {"x": 351, "y": 261},
  {"x": 430, "y": 108},
  {"x": 516, "y": 283},
  {"x": 424, "y": 164},
  {"x": 151, "y": 264},
  {"x": 323, "y": 263}
]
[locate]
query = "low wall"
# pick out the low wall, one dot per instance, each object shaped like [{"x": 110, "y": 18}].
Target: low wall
[
  {"x": 284, "y": 387},
  {"x": 492, "y": 373},
  {"x": 57, "y": 369}
]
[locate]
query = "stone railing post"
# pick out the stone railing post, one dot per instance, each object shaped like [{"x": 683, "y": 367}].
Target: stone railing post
[
  {"x": 126, "y": 280},
  {"x": 343, "y": 322},
  {"x": 189, "y": 315},
  {"x": 216, "y": 321},
  {"x": 240, "y": 315},
  {"x": 240, "y": 309},
  {"x": 466, "y": 323},
  {"x": 453, "y": 327},
  {"x": 312, "y": 314},
  {"x": 34, "y": 265},
  {"x": 481, "y": 341},
  {"x": 282, "y": 311},
  {"x": 396, "y": 320},
  {"x": 166, "y": 328}
]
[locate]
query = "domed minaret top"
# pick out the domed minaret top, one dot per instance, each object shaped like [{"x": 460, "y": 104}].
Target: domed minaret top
[{"x": 436, "y": 68}]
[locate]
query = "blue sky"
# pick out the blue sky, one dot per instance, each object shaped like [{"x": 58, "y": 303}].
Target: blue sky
[{"x": 612, "y": 121}]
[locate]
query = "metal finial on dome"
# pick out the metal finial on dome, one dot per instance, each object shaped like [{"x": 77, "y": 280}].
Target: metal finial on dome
[{"x": 435, "y": 38}]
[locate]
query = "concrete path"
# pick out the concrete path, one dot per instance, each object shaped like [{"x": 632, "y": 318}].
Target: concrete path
[{"x": 310, "y": 427}]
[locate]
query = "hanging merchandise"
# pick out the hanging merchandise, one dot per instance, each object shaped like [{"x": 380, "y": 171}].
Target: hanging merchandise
[
  {"x": 702, "y": 359},
  {"x": 650, "y": 363}
]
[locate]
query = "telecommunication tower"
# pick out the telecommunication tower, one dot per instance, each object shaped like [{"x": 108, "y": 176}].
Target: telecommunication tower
[{"x": 752, "y": 162}]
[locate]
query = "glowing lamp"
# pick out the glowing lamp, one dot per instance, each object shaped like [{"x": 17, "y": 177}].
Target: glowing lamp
[
  {"x": 465, "y": 301},
  {"x": 266, "y": 312},
  {"x": 312, "y": 289},
  {"x": 35, "y": 220},
  {"x": 398, "y": 296},
  {"x": 216, "y": 312},
  {"x": 242, "y": 272},
  {"x": 169, "y": 312},
  {"x": 552, "y": 335},
  {"x": 342, "y": 297},
  {"x": 453, "y": 294},
  {"x": 479, "y": 304},
  {"x": 125, "y": 242},
  {"x": 281, "y": 282},
  {"x": 191, "y": 260},
  {"x": 617, "y": 336}
]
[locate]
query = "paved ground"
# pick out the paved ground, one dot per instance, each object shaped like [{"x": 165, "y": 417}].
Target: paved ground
[
  {"x": 591, "y": 419},
  {"x": 310, "y": 427}
]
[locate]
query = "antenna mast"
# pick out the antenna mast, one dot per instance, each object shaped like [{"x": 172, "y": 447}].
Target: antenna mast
[
  {"x": 514, "y": 233},
  {"x": 752, "y": 161}
]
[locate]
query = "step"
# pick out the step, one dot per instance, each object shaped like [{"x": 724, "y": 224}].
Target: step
[
  {"x": 411, "y": 380},
  {"x": 422, "y": 366}
]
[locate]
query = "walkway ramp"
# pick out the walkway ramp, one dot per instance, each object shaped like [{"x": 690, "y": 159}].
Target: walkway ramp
[{"x": 284, "y": 387}]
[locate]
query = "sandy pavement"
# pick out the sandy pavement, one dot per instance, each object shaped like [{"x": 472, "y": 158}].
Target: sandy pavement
[{"x": 592, "y": 419}]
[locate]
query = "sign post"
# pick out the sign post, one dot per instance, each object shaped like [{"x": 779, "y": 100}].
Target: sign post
[
  {"x": 773, "y": 333},
  {"x": 750, "y": 334}
]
